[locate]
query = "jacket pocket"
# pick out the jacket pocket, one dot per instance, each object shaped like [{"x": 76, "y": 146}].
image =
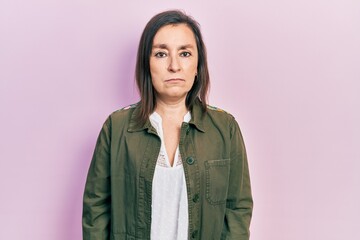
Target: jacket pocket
[{"x": 217, "y": 180}]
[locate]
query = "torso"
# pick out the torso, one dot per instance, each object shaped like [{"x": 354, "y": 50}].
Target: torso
[{"x": 169, "y": 215}]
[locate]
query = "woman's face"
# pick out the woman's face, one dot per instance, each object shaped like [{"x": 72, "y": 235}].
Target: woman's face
[{"x": 173, "y": 62}]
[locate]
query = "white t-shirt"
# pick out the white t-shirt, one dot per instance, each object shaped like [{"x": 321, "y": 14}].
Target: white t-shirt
[{"x": 169, "y": 210}]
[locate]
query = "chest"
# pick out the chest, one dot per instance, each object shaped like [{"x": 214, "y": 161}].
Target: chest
[{"x": 170, "y": 140}]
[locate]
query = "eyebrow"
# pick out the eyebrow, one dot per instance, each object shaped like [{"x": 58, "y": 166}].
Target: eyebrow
[{"x": 164, "y": 46}]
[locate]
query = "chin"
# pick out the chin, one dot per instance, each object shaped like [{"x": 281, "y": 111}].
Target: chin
[{"x": 174, "y": 95}]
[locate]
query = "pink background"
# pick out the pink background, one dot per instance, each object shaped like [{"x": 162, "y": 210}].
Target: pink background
[{"x": 289, "y": 71}]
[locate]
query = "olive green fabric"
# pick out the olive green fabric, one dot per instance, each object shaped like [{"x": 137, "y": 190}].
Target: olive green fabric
[{"x": 117, "y": 197}]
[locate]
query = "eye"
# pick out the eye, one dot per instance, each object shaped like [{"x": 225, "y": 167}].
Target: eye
[
  {"x": 185, "y": 54},
  {"x": 160, "y": 54}
]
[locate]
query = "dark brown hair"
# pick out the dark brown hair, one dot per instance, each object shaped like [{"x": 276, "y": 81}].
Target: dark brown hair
[{"x": 201, "y": 84}]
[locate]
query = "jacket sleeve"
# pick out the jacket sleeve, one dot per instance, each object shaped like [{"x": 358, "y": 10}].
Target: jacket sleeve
[
  {"x": 96, "y": 201},
  {"x": 239, "y": 203}
]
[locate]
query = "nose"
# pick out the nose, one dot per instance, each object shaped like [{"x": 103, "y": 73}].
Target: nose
[{"x": 174, "y": 65}]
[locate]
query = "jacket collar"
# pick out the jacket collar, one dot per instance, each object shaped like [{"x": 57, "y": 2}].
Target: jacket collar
[{"x": 197, "y": 116}]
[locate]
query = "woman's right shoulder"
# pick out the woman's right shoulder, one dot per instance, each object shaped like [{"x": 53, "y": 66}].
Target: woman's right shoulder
[
  {"x": 125, "y": 110},
  {"x": 122, "y": 115}
]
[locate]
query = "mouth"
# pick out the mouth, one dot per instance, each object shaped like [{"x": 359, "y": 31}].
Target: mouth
[{"x": 174, "y": 80}]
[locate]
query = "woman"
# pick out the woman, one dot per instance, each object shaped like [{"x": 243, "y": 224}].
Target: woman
[{"x": 169, "y": 167}]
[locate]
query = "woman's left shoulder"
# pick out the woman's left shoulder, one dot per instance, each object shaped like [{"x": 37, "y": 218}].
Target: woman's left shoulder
[
  {"x": 223, "y": 120},
  {"x": 220, "y": 116},
  {"x": 219, "y": 112}
]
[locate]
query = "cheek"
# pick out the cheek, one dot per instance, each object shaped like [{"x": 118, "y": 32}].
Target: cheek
[
  {"x": 156, "y": 68},
  {"x": 152, "y": 69},
  {"x": 194, "y": 65},
  {"x": 191, "y": 68}
]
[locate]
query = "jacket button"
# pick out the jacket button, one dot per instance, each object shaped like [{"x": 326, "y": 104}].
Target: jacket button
[
  {"x": 187, "y": 131},
  {"x": 196, "y": 198},
  {"x": 194, "y": 234},
  {"x": 190, "y": 160}
]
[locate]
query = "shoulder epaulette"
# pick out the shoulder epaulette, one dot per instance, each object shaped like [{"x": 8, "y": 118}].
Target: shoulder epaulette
[
  {"x": 216, "y": 109},
  {"x": 127, "y": 107}
]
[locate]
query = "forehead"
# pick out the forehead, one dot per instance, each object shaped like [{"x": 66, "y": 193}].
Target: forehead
[{"x": 174, "y": 34}]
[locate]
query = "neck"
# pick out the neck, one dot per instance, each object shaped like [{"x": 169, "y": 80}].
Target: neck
[{"x": 175, "y": 109}]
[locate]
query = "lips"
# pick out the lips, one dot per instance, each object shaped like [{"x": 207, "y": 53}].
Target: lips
[{"x": 174, "y": 80}]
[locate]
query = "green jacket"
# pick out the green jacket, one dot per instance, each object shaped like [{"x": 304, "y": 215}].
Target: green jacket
[{"x": 117, "y": 197}]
